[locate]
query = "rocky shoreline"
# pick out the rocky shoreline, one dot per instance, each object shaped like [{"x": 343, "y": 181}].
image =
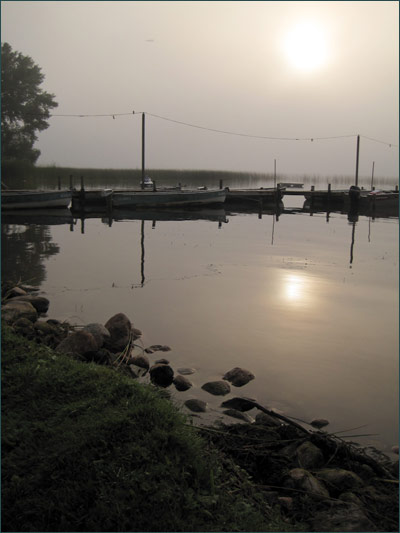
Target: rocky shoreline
[{"x": 314, "y": 477}]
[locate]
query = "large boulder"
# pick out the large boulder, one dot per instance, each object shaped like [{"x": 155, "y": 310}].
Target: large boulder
[
  {"x": 78, "y": 343},
  {"x": 14, "y": 310},
  {"x": 238, "y": 376},
  {"x": 40, "y": 303},
  {"x": 161, "y": 375},
  {"x": 119, "y": 327},
  {"x": 339, "y": 479},
  {"x": 99, "y": 332},
  {"x": 218, "y": 388}
]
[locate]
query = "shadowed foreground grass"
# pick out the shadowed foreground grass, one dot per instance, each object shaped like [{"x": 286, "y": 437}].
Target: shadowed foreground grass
[{"x": 87, "y": 449}]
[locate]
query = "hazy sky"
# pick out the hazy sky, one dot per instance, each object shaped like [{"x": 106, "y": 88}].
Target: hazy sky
[{"x": 280, "y": 69}]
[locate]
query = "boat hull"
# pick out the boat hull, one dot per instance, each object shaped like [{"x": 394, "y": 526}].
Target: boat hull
[
  {"x": 35, "y": 199},
  {"x": 141, "y": 199}
]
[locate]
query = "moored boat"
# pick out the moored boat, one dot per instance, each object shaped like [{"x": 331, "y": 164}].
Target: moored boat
[
  {"x": 34, "y": 199},
  {"x": 166, "y": 198}
]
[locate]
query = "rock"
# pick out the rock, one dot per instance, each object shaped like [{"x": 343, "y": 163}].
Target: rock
[
  {"x": 186, "y": 371},
  {"x": 140, "y": 360},
  {"x": 350, "y": 497},
  {"x": 267, "y": 420},
  {"x": 40, "y": 303},
  {"x": 158, "y": 348},
  {"x": 309, "y": 456},
  {"x": 24, "y": 327},
  {"x": 238, "y": 376},
  {"x": 14, "y": 310},
  {"x": 302, "y": 479},
  {"x": 239, "y": 415},
  {"x": 240, "y": 404},
  {"x": 319, "y": 423},
  {"x": 162, "y": 362},
  {"x": 395, "y": 449},
  {"x": 338, "y": 479},
  {"x": 15, "y": 291},
  {"x": 102, "y": 357},
  {"x": 350, "y": 518},
  {"x": 79, "y": 342},
  {"x": 197, "y": 406},
  {"x": 119, "y": 327},
  {"x": 181, "y": 383},
  {"x": 44, "y": 328},
  {"x": 136, "y": 333},
  {"x": 286, "y": 502},
  {"x": 218, "y": 388},
  {"x": 137, "y": 371},
  {"x": 99, "y": 332},
  {"x": 161, "y": 375}
]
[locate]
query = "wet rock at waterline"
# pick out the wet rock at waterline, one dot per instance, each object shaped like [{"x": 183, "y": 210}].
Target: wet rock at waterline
[
  {"x": 319, "y": 423},
  {"x": 186, "y": 371},
  {"x": 239, "y": 376},
  {"x": 78, "y": 343},
  {"x": 140, "y": 360},
  {"x": 181, "y": 383},
  {"x": 162, "y": 362},
  {"x": 239, "y": 415},
  {"x": 218, "y": 388},
  {"x": 197, "y": 406},
  {"x": 137, "y": 371},
  {"x": 99, "y": 332},
  {"x": 240, "y": 404},
  {"x": 267, "y": 420},
  {"x": 157, "y": 348},
  {"x": 40, "y": 303},
  {"x": 14, "y": 310},
  {"x": 119, "y": 327},
  {"x": 161, "y": 375}
]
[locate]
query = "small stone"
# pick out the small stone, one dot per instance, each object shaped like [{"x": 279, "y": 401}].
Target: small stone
[
  {"x": 161, "y": 375},
  {"x": 158, "y": 348},
  {"x": 218, "y": 388},
  {"x": 162, "y": 362},
  {"x": 181, "y": 383},
  {"x": 238, "y": 376},
  {"x": 239, "y": 415},
  {"x": 241, "y": 404},
  {"x": 197, "y": 406},
  {"x": 319, "y": 423},
  {"x": 186, "y": 371}
]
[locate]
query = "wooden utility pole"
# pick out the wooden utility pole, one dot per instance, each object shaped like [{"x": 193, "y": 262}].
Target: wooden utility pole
[
  {"x": 357, "y": 159},
  {"x": 143, "y": 149}
]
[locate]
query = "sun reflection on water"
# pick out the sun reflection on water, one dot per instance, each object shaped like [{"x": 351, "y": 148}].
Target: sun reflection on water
[{"x": 295, "y": 288}]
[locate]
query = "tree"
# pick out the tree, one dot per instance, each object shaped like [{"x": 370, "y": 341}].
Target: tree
[{"x": 25, "y": 107}]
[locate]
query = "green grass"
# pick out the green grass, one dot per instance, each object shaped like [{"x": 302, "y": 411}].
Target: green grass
[{"x": 85, "y": 448}]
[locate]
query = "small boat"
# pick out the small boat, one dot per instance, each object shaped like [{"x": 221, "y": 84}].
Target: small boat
[
  {"x": 166, "y": 198},
  {"x": 23, "y": 199},
  {"x": 255, "y": 195},
  {"x": 291, "y": 185},
  {"x": 148, "y": 182}
]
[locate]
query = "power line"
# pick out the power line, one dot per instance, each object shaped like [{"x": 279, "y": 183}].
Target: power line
[{"x": 225, "y": 132}]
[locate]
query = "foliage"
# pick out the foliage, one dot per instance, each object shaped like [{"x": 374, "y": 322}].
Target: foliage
[
  {"x": 25, "y": 107},
  {"x": 87, "y": 449}
]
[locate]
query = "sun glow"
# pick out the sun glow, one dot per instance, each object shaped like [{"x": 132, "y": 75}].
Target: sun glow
[{"x": 305, "y": 46}]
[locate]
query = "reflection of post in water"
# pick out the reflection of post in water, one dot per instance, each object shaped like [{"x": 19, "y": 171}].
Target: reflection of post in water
[
  {"x": 353, "y": 219},
  {"x": 142, "y": 258}
]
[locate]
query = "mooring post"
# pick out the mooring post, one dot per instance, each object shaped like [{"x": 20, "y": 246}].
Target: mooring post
[
  {"x": 396, "y": 188},
  {"x": 357, "y": 159},
  {"x": 274, "y": 173},
  {"x": 71, "y": 184},
  {"x": 82, "y": 184},
  {"x": 143, "y": 148},
  {"x": 312, "y": 199},
  {"x": 59, "y": 183},
  {"x": 221, "y": 184},
  {"x": 372, "y": 176},
  {"x": 154, "y": 186}
]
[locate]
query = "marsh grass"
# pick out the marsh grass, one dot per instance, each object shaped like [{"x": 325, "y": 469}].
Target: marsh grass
[{"x": 85, "y": 448}]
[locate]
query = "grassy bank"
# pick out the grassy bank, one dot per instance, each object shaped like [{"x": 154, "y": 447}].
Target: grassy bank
[{"x": 87, "y": 449}]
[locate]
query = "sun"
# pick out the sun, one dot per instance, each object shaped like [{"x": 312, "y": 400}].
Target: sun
[{"x": 305, "y": 46}]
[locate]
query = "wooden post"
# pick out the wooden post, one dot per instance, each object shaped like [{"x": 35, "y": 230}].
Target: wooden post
[
  {"x": 274, "y": 173},
  {"x": 312, "y": 200},
  {"x": 82, "y": 184},
  {"x": 357, "y": 159},
  {"x": 59, "y": 183},
  {"x": 71, "y": 184},
  {"x": 396, "y": 188},
  {"x": 221, "y": 184},
  {"x": 372, "y": 177},
  {"x": 143, "y": 148}
]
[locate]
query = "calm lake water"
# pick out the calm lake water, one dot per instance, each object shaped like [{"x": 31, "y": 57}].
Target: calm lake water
[{"x": 309, "y": 304}]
